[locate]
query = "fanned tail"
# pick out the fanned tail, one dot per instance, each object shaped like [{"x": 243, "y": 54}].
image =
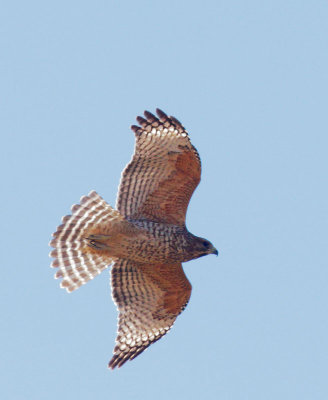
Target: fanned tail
[{"x": 76, "y": 260}]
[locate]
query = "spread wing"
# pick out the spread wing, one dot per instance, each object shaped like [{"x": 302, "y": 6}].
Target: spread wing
[
  {"x": 164, "y": 172},
  {"x": 149, "y": 298}
]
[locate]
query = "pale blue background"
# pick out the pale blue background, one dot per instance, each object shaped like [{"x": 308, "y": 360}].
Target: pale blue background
[{"x": 249, "y": 81}]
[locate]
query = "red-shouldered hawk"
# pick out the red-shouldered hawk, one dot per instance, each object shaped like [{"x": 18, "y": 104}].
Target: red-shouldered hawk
[{"x": 145, "y": 239}]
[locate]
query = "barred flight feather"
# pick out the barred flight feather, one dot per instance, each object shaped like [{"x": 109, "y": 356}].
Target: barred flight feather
[
  {"x": 165, "y": 170},
  {"x": 76, "y": 262},
  {"x": 149, "y": 298}
]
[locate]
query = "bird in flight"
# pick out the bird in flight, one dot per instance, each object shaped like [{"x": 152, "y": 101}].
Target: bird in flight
[{"x": 145, "y": 238}]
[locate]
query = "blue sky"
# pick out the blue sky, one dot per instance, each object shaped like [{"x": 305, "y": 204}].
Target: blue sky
[{"x": 248, "y": 79}]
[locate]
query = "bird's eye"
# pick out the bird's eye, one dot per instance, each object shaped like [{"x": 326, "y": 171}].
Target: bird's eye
[{"x": 206, "y": 244}]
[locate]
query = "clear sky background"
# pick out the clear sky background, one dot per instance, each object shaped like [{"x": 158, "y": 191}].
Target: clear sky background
[{"x": 248, "y": 79}]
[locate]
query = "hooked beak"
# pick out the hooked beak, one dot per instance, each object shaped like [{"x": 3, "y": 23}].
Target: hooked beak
[{"x": 214, "y": 251}]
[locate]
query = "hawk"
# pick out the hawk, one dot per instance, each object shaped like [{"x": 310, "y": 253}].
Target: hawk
[{"x": 145, "y": 239}]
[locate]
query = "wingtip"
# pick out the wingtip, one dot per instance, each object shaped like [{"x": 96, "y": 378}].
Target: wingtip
[
  {"x": 150, "y": 116},
  {"x": 161, "y": 114},
  {"x": 175, "y": 120},
  {"x": 151, "y": 120},
  {"x": 115, "y": 362},
  {"x": 135, "y": 128},
  {"x": 142, "y": 121}
]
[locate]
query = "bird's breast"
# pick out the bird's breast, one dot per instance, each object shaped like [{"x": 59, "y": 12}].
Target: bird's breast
[{"x": 156, "y": 242}]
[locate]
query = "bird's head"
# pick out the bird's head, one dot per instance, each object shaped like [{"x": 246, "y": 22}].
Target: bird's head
[{"x": 204, "y": 247}]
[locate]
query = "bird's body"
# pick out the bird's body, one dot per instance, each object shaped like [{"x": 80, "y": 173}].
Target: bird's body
[{"x": 145, "y": 239}]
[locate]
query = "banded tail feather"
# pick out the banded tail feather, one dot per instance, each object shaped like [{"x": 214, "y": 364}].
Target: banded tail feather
[{"x": 76, "y": 260}]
